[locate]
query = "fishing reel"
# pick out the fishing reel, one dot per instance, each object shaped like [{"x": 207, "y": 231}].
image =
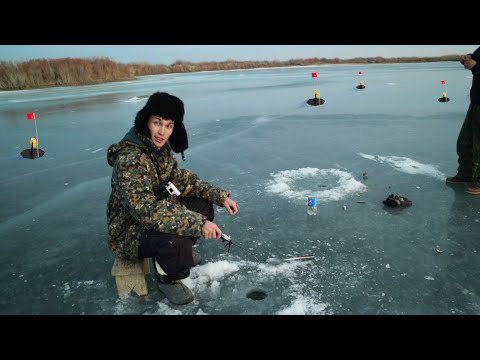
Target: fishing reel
[{"x": 228, "y": 240}]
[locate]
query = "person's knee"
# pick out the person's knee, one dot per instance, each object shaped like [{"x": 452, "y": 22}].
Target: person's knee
[
  {"x": 205, "y": 207},
  {"x": 210, "y": 213},
  {"x": 199, "y": 205},
  {"x": 175, "y": 257}
]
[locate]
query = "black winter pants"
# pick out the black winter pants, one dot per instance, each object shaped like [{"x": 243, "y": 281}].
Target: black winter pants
[{"x": 174, "y": 252}]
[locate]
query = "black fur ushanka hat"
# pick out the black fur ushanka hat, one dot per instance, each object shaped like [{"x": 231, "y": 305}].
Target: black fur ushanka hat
[{"x": 168, "y": 107}]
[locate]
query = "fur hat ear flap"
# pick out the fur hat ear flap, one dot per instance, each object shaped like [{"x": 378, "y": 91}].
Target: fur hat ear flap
[
  {"x": 179, "y": 139},
  {"x": 141, "y": 122}
]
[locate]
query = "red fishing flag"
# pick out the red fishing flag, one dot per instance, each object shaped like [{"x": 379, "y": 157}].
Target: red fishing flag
[
  {"x": 314, "y": 74},
  {"x": 443, "y": 82},
  {"x": 359, "y": 73},
  {"x": 30, "y": 116}
]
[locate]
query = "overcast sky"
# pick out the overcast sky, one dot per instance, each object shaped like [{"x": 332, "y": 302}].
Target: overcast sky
[{"x": 168, "y": 54}]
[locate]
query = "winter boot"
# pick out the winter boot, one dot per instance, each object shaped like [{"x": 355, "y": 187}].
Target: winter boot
[
  {"x": 175, "y": 291},
  {"x": 457, "y": 180},
  {"x": 197, "y": 258},
  {"x": 473, "y": 189}
]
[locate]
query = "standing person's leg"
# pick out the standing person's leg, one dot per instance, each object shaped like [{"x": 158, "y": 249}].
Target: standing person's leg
[
  {"x": 465, "y": 147},
  {"x": 474, "y": 187}
]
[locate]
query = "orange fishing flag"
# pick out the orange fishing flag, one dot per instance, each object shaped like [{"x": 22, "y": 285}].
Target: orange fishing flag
[
  {"x": 30, "y": 116},
  {"x": 314, "y": 74}
]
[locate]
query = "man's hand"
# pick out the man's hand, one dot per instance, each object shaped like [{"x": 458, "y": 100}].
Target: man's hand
[
  {"x": 210, "y": 230},
  {"x": 463, "y": 58},
  {"x": 469, "y": 64},
  {"x": 230, "y": 206}
]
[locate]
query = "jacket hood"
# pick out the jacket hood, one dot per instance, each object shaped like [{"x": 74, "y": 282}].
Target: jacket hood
[{"x": 131, "y": 138}]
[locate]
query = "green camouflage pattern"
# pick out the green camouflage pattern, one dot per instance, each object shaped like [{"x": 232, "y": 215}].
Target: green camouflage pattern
[
  {"x": 139, "y": 200},
  {"x": 468, "y": 146}
]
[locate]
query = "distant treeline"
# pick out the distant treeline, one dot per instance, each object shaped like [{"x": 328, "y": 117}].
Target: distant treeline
[{"x": 40, "y": 73}]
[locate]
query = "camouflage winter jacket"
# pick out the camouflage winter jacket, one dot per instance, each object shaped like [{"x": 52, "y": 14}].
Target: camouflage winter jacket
[{"x": 139, "y": 199}]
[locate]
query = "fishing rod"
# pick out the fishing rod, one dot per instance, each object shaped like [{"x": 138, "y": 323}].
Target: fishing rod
[
  {"x": 274, "y": 261},
  {"x": 228, "y": 239}
]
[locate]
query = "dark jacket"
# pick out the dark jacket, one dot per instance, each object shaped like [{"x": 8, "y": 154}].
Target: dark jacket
[
  {"x": 475, "y": 90},
  {"x": 139, "y": 200}
]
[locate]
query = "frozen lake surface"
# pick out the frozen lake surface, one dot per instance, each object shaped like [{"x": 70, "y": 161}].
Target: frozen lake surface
[{"x": 252, "y": 133}]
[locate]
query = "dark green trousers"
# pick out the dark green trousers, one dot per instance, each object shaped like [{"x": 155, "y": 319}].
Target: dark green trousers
[{"x": 468, "y": 146}]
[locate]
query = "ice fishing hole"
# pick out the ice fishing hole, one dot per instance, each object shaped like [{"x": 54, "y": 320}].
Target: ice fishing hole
[{"x": 257, "y": 294}]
